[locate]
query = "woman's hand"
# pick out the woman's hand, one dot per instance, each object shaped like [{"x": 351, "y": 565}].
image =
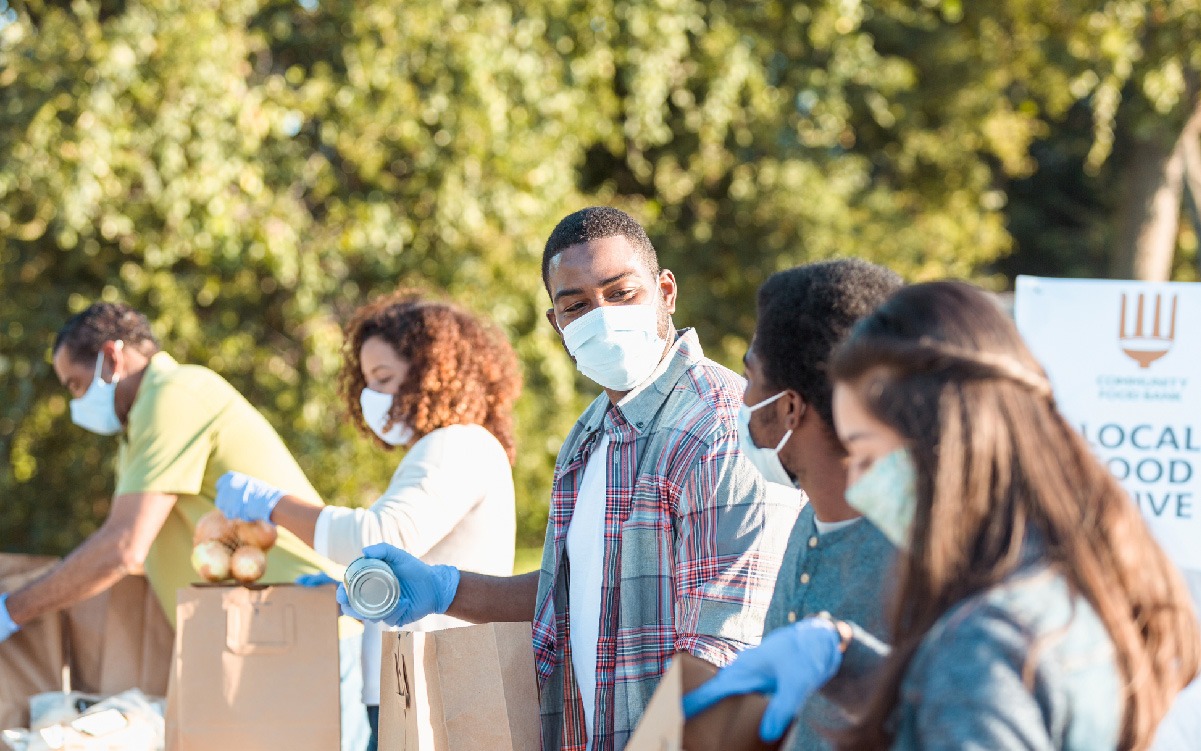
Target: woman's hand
[
  {"x": 242, "y": 497},
  {"x": 319, "y": 579}
]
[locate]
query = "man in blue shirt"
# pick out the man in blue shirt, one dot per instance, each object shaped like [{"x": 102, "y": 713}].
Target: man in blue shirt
[{"x": 835, "y": 562}]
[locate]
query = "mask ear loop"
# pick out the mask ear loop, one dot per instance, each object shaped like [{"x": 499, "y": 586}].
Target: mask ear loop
[
  {"x": 119, "y": 346},
  {"x": 784, "y": 440},
  {"x": 99, "y": 375},
  {"x": 765, "y": 402},
  {"x": 788, "y": 433}
]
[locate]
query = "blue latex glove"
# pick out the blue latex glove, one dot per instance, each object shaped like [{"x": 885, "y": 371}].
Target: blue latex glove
[
  {"x": 790, "y": 664},
  {"x": 242, "y": 497},
  {"x": 319, "y": 579},
  {"x": 424, "y": 589},
  {"x": 7, "y": 626}
]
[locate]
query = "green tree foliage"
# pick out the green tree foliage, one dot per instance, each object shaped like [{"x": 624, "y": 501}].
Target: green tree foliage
[
  {"x": 756, "y": 136},
  {"x": 249, "y": 171},
  {"x": 186, "y": 158},
  {"x": 1117, "y": 88}
]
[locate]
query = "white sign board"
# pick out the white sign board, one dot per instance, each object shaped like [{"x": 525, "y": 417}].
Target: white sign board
[{"x": 1124, "y": 359}]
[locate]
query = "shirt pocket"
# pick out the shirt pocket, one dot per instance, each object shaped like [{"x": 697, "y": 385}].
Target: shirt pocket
[{"x": 647, "y": 562}]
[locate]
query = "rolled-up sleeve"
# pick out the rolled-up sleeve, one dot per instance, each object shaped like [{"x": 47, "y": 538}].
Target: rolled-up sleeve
[
  {"x": 731, "y": 538},
  {"x": 433, "y": 489}
]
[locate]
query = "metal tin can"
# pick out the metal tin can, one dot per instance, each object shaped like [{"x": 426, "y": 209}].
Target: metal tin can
[{"x": 371, "y": 587}]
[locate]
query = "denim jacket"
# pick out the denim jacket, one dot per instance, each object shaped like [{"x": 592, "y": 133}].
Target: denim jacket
[{"x": 1026, "y": 664}]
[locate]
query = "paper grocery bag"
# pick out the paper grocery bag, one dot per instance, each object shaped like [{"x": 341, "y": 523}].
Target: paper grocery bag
[
  {"x": 32, "y": 660},
  {"x": 730, "y": 725},
  {"x": 461, "y": 689},
  {"x": 120, "y": 639},
  {"x": 255, "y": 669}
]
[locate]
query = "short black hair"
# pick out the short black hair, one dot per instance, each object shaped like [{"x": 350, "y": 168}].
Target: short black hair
[
  {"x": 85, "y": 333},
  {"x": 805, "y": 313},
  {"x": 597, "y": 223}
]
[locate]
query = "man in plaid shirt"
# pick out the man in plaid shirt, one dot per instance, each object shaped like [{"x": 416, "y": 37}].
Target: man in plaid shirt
[{"x": 662, "y": 536}]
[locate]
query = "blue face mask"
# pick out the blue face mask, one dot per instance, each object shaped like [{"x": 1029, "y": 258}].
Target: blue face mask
[
  {"x": 886, "y": 495},
  {"x": 96, "y": 410},
  {"x": 617, "y": 346}
]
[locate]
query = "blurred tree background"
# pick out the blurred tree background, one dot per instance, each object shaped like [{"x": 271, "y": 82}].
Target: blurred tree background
[{"x": 247, "y": 172}]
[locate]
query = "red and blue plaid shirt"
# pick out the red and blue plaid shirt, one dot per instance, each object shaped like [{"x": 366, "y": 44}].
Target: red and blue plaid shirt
[{"x": 692, "y": 545}]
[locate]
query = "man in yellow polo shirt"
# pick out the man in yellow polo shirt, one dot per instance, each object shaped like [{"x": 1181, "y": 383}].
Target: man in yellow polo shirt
[{"x": 181, "y": 428}]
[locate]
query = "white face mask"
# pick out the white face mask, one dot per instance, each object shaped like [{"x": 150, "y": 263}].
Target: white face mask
[
  {"x": 618, "y": 346},
  {"x": 766, "y": 460},
  {"x": 376, "y": 406},
  {"x": 96, "y": 410}
]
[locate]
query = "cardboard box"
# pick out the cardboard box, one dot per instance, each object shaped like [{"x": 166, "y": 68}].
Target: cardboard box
[
  {"x": 254, "y": 669},
  {"x": 32, "y": 660},
  {"x": 460, "y": 689},
  {"x": 730, "y": 725},
  {"x": 120, "y": 639}
]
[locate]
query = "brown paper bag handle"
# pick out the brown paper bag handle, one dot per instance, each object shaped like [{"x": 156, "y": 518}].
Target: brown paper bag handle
[{"x": 250, "y": 633}]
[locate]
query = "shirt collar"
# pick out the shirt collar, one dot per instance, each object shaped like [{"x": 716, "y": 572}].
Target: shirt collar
[
  {"x": 160, "y": 364},
  {"x": 639, "y": 407},
  {"x": 162, "y": 361}
]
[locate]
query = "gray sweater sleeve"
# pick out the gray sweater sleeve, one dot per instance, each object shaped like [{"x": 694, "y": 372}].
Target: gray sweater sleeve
[{"x": 857, "y": 675}]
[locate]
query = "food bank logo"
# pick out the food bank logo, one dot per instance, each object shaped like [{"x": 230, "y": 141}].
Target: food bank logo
[{"x": 1147, "y": 327}]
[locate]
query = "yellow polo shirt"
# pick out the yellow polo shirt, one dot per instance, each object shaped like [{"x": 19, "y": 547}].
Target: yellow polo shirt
[{"x": 187, "y": 427}]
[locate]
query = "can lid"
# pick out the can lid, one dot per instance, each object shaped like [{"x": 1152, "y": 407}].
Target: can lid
[{"x": 371, "y": 588}]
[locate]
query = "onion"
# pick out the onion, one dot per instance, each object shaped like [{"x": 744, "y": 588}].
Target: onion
[
  {"x": 211, "y": 559},
  {"x": 214, "y": 526},
  {"x": 247, "y": 564},
  {"x": 260, "y": 534}
]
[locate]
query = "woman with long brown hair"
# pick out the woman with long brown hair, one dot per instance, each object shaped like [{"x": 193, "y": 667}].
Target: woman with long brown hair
[
  {"x": 1034, "y": 608},
  {"x": 426, "y": 375}
]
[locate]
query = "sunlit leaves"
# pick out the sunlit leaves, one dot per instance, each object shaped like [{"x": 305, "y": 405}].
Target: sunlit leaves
[
  {"x": 247, "y": 183},
  {"x": 249, "y": 171}
]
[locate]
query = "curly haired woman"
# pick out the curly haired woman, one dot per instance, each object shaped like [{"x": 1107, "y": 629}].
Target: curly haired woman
[{"x": 426, "y": 375}]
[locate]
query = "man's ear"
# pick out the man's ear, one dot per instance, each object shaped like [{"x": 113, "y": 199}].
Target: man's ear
[
  {"x": 550, "y": 316},
  {"x": 794, "y": 409},
  {"x": 114, "y": 350},
  {"x": 669, "y": 289}
]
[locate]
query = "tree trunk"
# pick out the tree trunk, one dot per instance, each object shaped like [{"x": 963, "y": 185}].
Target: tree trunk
[
  {"x": 1149, "y": 216},
  {"x": 1192, "y": 186}
]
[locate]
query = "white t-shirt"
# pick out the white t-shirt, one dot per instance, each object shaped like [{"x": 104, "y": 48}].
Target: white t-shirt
[
  {"x": 450, "y": 501},
  {"x": 827, "y": 527},
  {"x": 785, "y": 495},
  {"x": 585, "y": 558}
]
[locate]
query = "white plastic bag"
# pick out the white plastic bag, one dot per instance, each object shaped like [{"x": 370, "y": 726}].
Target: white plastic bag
[{"x": 128, "y": 721}]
